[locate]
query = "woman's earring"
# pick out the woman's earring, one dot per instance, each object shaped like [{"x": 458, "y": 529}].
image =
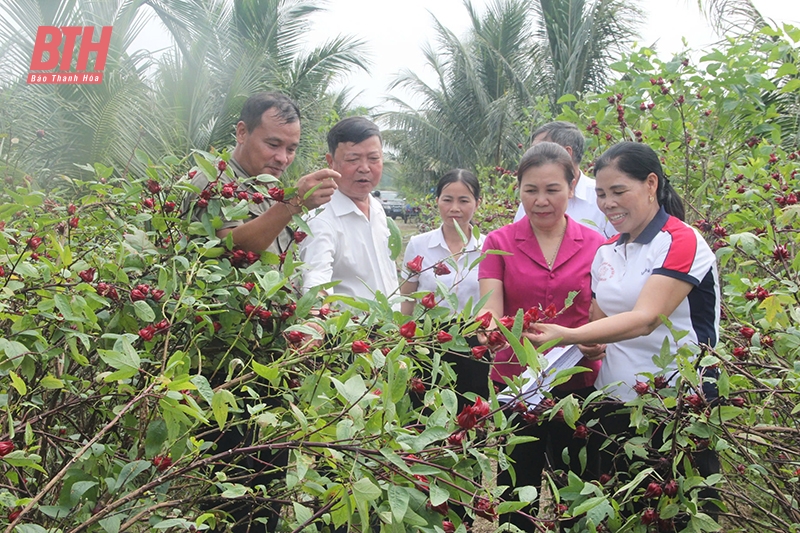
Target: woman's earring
[{"x": 651, "y": 199}]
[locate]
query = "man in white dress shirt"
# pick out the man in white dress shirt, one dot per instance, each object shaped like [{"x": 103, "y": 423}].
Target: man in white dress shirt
[
  {"x": 582, "y": 207},
  {"x": 349, "y": 240}
]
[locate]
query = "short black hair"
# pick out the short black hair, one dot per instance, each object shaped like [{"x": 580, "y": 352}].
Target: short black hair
[
  {"x": 565, "y": 134},
  {"x": 464, "y": 176},
  {"x": 352, "y": 130},
  {"x": 638, "y": 161},
  {"x": 256, "y": 105},
  {"x": 545, "y": 153}
]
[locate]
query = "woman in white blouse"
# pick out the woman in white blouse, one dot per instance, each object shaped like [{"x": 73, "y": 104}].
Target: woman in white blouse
[{"x": 457, "y": 196}]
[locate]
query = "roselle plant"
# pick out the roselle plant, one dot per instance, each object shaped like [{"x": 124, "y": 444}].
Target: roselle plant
[{"x": 131, "y": 338}]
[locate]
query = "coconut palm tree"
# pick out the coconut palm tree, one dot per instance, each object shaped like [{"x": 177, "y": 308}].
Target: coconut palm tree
[
  {"x": 517, "y": 54},
  {"x": 186, "y": 98}
]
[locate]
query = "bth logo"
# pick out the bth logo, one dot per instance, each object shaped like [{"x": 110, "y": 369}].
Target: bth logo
[{"x": 55, "y": 47}]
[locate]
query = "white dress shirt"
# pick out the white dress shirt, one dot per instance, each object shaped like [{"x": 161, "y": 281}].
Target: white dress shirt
[
  {"x": 582, "y": 208},
  {"x": 346, "y": 246},
  {"x": 461, "y": 281}
]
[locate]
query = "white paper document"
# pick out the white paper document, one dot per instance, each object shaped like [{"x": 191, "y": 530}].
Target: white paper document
[{"x": 531, "y": 392}]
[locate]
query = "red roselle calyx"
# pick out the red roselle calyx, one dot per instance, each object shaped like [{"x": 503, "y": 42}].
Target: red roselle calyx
[{"x": 415, "y": 265}]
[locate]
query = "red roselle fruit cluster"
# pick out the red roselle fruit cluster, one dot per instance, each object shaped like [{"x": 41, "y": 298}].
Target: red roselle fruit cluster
[
  {"x": 415, "y": 267},
  {"x": 242, "y": 259},
  {"x": 469, "y": 416},
  {"x": 147, "y": 333}
]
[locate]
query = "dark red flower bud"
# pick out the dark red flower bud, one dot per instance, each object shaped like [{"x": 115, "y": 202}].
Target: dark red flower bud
[
  {"x": 228, "y": 190},
  {"x": 467, "y": 419},
  {"x": 443, "y": 337},
  {"x": 530, "y": 417},
  {"x": 551, "y": 311},
  {"x": 660, "y": 382},
  {"x": 694, "y": 400},
  {"x": 740, "y": 352},
  {"x": 604, "y": 478},
  {"x": 747, "y": 332},
  {"x": 485, "y": 319},
  {"x": 780, "y": 253},
  {"x": 147, "y": 333},
  {"x": 192, "y": 174},
  {"x": 157, "y": 294},
  {"x": 294, "y": 337},
  {"x": 264, "y": 315},
  {"x": 766, "y": 340},
  {"x": 222, "y": 165},
  {"x": 137, "y": 295},
  {"x": 299, "y": 236},
  {"x": 480, "y": 407},
  {"x": 496, "y": 339},
  {"x": 479, "y": 351},
  {"x": 408, "y": 330},
  {"x": 737, "y": 401},
  {"x": 429, "y": 301},
  {"x": 360, "y": 347},
  {"x": 6, "y": 447},
  {"x": 581, "y": 432},
  {"x": 202, "y": 203},
  {"x": 153, "y": 186},
  {"x": 448, "y": 526},
  {"x": 417, "y": 385},
  {"x": 13, "y": 515},
  {"x": 34, "y": 242},
  {"x": 440, "y": 269},
  {"x": 641, "y": 387},
  {"x": 485, "y": 509},
  {"x": 507, "y": 321},
  {"x": 162, "y": 462},
  {"x": 253, "y": 257},
  {"x": 671, "y": 488},
  {"x": 649, "y": 516},
  {"x": 257, "y": 198},
  {"x": 415, "y": 265},
  {"x": 276, "y": 193},
  {"x": 87, "y": 275},
  {"x": 653, "y": 490},
  {"x": 442, "y": 508},
  {"x": 456, "y": 438},
  {"x": 242, "y": 195}
]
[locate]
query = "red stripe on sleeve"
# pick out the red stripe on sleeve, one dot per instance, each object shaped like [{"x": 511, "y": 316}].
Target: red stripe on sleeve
[{"x": 683, "y": 248}]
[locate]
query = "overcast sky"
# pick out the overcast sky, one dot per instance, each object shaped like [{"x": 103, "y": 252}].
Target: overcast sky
[{"x": 395, "y": 31}]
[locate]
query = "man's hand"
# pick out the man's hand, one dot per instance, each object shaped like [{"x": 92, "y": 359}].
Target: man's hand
[{"x": 322, "y": 181}]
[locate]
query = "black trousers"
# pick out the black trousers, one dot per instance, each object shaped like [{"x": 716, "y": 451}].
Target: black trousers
[{"x": 531, "y": 458}]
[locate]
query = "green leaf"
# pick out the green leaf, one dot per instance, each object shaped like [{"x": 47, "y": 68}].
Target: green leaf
[
  {"x": 395, "y": 239},
  {"x": 143, "y": 311},
  {"x": 155, "y": 437},
  {"x": 78, "y": 489},
  {"x": 267, "y": 372},
  {"x": 438, "y": 494},
  {"x": 398, "y": 502},
  {"x": 366, "y": 490},
  {"x": 233, "y": 490},
  {"x": 129, "y": 473},
  {"x": 203, "y": 387},
  {"x": 17, "y": 383},
  {"x": 51, "y": 382},
  {"x": 567, "y": 98},
  {"x": 220, "y": 405}
]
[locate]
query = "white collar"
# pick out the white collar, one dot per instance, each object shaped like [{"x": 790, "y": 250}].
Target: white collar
[
  {"x": 584, "y": 188},
  {"x": 437, "y": 239},
  {"x": 343, "y": 205}
]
